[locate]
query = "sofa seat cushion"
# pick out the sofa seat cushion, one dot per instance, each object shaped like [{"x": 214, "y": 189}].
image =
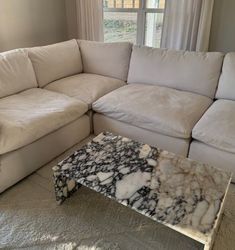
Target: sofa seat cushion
[
  {"x": 160, "y": 109},
  {"x": 34, "y": 113},
  {"x": 86, "y": 87},
  {"x": 217, "y": 126}
]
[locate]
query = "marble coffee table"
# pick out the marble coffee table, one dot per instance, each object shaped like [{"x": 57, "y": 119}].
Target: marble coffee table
[{"x": 182, "y": 194}]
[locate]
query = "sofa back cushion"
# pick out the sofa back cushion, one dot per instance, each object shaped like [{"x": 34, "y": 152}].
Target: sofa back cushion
[
  {"x": 189, "y": 71},
  {"x": 16, "y": 72},
  {"x": 107, "y": 59},
  {"x": 56, "y": 61},
  {"x": 226, "y": 88}
]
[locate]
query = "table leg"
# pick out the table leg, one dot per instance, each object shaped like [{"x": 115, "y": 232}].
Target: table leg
[
  {"x": 207, "y": 247},
  {"x": 64, "y": 187}
]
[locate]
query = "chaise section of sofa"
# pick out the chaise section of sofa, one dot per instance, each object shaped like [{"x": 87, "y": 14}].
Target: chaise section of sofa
[
  {"x": 167, "y": 94},
  {"x": 214, "y": 134}
]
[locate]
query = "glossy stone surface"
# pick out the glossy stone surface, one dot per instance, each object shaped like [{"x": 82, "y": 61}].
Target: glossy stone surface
[{"x": 170, "y": 189}]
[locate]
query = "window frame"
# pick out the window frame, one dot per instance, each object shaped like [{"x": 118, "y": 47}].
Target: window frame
[{"x": 142, "y": 12}]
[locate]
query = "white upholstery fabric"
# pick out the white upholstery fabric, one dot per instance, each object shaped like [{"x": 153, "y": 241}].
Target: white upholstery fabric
[
  {"x": 19, "y": 163},
  {"x": 163, "y": 110},
  {"x": 226, "y": 88},
  {"x": 217, "y": 126},
  {"x": 16, "y": 72},
  {"x": 189, "y": 71},
  {"x": 172, "y": 144},
  {"x": 34, "y": 113},
  {"x": 212, "y": 156},
  {"x": 107, "y": 59},
  {"x": 86, "y": 87},
  {"x": 56, "y": 61}
]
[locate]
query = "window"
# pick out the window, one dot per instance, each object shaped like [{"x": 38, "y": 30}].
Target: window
[{"x": 137, "y": 21}]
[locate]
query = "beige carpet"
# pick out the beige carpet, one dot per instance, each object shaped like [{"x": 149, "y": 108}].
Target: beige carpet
[{"x": 31, "y": 219}]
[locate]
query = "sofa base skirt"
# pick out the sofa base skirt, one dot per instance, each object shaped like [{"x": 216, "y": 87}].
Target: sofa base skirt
[
  {"x": 17, "y": 164},
  {"x": 217, "y": 158},
  {"x": 172, "y": 144}
]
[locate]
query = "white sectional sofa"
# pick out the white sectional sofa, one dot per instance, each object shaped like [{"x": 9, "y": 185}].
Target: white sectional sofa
[{"x": 165, "y": 98}]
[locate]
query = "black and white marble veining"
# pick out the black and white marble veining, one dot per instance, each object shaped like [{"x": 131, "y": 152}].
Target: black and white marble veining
[{"x": 168, "y": 188}]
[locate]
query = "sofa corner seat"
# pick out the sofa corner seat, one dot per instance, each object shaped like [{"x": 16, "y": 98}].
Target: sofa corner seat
[{"x": 46, "y": 96}]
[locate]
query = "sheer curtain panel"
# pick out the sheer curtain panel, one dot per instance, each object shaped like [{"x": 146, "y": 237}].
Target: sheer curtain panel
[
  {"x": 187, "y": 24},
  {"x": 85, "y": 19}
]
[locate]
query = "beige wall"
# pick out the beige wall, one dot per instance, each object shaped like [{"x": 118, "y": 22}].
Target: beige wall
[
  {"x": 71, "y": 13},
  {"x": 26, "y": 23},
  {"x": 223, "y": 26}
]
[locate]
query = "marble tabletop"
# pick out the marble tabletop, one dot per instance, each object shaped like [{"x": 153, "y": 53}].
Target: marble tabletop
[{"x": 169, "y": 189}]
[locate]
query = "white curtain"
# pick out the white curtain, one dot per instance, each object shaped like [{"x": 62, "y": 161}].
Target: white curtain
[
  {"x": 85, "y": 19},
  {"x": 187, "y": 24}
]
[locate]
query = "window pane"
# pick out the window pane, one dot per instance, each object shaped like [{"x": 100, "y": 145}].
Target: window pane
[
  {"x": 155, "y": 4},
  {"x": 120, "y": 26},
  {"x": 153, "y": 29},
  {"x": 121, "y": 3}
]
